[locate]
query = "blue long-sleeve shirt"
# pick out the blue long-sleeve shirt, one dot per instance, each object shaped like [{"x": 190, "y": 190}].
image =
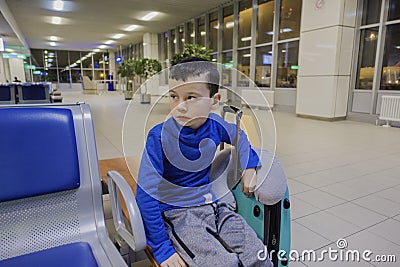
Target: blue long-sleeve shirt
[{"x": 174, "y": 172}]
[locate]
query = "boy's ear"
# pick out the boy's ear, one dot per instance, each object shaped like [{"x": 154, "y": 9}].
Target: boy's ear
[{"x": 216, "y": 98}]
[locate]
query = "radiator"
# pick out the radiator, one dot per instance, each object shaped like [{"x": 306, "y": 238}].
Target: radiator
[{"x": 390, "y": 109}]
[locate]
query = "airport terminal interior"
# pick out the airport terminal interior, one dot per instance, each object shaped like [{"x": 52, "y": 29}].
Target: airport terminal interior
[{"x": 318, "y": 81}]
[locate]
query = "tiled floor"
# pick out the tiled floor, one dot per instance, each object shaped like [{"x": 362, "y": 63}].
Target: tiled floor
[{"x": 344, "y": 177}]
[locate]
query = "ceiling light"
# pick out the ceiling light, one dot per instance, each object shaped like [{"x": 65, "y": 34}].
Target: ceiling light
[
  {"x": 270, "y": 33},
  {"x": 247, "y": 55},
  {"x": 229, "y": 24},
  {"x": 283, "y": 51},
  {"x": 53, "y": 44},
  {"x": 109, "y": 42},
  {"x": 244, "y": 39},
  {"x": 192, "y": 35},
  {"x": 56, "y": 20},
  {"x": 102, "y": 46},
  {"x": 286, "y": 30},
  {"x": 58, "y": 5},
  {"x": 9, "y": 50},
  {"x": 117, "y": 36},
  {"x": 202, "y": 33},
  {"x": 150, "y": 15},
  {"x": 45, "y": 51},
  {"x": 398, "y": 47},
  {"x": 53, "y": 38},
  {"x": 96, "y": 50},
  {"x": 131, "y": 28}
]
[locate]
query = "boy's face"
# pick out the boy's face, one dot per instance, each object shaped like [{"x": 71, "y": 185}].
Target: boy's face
[{"x": 190, "y": 101}]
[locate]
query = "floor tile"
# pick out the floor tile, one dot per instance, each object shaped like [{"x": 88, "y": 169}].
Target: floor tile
[
  {"x": 305, "y": 239},
  {"x": 392, "y": 194},
  {"x": 320, "y": 199},
  {"x": 356, "y": 214},
  {"x": 378, "y": 204},
  {"x": 389, "y": 229},
  {"x": 365, "y": 240},
  {"x": 300, "y": 208},
  {"x": 342, "y": 190},
  {"x": 296, "y": 187},
  {"x": 328, "y": 225}
]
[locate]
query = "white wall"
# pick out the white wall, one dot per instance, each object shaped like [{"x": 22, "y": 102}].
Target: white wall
[{"x": 16, "y": 66}]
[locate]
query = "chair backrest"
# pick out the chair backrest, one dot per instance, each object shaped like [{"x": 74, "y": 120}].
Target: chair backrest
[
  {"x": 7, "y": 94},
  {"x": 51, "y": 191},
  {"x": 34, "y": 93}
]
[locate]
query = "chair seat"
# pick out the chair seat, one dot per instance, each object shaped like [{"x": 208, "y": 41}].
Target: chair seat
[{"x": 75, "y": 254}]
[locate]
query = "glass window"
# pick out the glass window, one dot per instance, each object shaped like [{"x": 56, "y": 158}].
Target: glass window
[
  {"x": 181, "y": 38},
  {"x": 371, "y": 11},
  {"x": 172, "y": 42},
  {"x": 394, "y": 10},
  {"x": 245, "y": 14},
  {"x": 289, "y": 23},
  {"x": 263, "y": 66},
  {"x": 190, "y": 33},
  {"x": 201, "y": 31},
  {"x": 287, "y": 64},
  {"x": 38, "y": 57},
  {"x": 390, "y": 79},
  {"x": 227, "y": 69},
  {"x": 265, "y": 21},
  {"x": 165, "y": 45},
  {"x": 227, "y": 30},
  {"x": 366, "y": 58},
  {"x": 213, "y": 42},
  {"x": 87, "y": 60},
  {"x": 243, "y": 67}
]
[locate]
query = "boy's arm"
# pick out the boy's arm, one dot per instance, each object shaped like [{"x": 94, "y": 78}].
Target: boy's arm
[{"x": 150, "y": 175}]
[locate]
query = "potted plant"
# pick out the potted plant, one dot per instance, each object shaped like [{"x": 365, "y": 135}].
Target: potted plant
[
  {"x": 192, "y": 50},
  {"x": 128, "y": 69},
  {"x": 148, "y": 68}
]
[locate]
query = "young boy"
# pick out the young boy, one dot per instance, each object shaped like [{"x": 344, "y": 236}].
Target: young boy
[{"x": 184, "y": 222}]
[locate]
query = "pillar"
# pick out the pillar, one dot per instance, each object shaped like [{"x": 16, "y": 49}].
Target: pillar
[{"x": 325, "y": 57}]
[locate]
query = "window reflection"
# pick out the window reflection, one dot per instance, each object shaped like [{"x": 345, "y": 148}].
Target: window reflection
[
  {"x": 213, "y": 42},
  {"x": 181, "y": 38},
  {"x": 172, "y": 42},
  {"x": 289, "y": 24},
  {"x": 371, "y": 11},
  {"x": 265, "y": 21},
  {"x": 243, "y": 67},
  {"x": 201, "y": 31},
  {"x": 245, "y": 14},
  {"x": 366, "y": 58},
  {"x": 287, "y": 64},
  {"x": 394, "y": 10},
  {"x": 227, "y": 30},
  {"x": 227, "y": 70},
  {"x": 390, "y": 79},
  {"x": 191, "y": 32},
  {"x": 263, "y": 66}
]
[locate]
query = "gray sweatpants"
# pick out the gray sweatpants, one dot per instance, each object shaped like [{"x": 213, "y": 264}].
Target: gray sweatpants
[{"x": 213, "y": 235}]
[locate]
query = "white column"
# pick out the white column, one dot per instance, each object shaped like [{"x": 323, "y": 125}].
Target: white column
[
  {"x": 3, "y": 78},
  {"x": 16, "y": 66},
  {"x": 325, "y": 56},
  {"x": 150, "y": 45}
]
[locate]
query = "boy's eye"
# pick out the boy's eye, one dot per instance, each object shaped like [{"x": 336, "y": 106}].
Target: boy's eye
[
  {"x": 173, "y": 96},
  {"x": 191, "y": 97}
]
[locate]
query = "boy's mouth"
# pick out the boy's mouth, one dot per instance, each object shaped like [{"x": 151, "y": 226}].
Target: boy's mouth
[{"x": 182, "y": 118}]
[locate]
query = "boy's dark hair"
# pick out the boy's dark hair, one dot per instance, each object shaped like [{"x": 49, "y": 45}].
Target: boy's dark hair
[{"x": 195, "y": 66}]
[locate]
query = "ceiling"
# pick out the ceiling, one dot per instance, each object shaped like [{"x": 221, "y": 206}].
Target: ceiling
[{"x": 87, "y": 24}]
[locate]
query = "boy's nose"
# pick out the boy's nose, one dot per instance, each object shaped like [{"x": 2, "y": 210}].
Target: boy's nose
[{"x": 182, "y": 107}]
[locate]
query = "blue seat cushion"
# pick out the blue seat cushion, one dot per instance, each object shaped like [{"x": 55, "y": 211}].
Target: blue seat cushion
[
  {"x": 38, "y": 152},
  {"x": 75, "y": 254},
  {"x": 34, "y": 92}
]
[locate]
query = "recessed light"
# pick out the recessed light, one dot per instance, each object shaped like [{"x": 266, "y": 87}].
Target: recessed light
[
  {"x": 58, "y": 5},
  {"x": 53, "y": 38},
  {"x": 149, "y": 15},
  {"x": 53, "y": 44},
  {"x": 96, "y": 50},
  {"x": 117, "y": 36},
  {"x": 102, "y": 46},
  {"x": 131, "y": 28},
  {"x": 56, "y": 20},
  {"x": 109, "y": 42}
]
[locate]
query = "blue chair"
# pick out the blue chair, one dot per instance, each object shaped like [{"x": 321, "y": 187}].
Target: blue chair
[
  {"x": 33, "y": 93},
  {"x": 7, "y": 94},
  {"x": 51, "y": 210}
]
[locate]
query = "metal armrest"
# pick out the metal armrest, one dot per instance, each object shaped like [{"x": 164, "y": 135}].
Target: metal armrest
[{"x": 117, "y": 185}]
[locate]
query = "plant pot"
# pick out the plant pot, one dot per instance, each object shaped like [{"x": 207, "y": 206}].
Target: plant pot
[
  {"x": 129, "y": 95},
  {"x": 145, "y": 98}
]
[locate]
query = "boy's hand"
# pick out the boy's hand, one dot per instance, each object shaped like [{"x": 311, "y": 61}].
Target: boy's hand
[
  {"x": 249, "y": 181},
  {"x": 174, "y": 261}
]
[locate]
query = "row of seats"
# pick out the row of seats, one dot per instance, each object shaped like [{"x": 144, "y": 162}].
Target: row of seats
[{"x": 27, "y": 93}]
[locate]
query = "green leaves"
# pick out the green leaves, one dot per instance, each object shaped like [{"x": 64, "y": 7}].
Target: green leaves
[
  {"x": 145, "y": 67},
  {"x": 192, "y": 50}
]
